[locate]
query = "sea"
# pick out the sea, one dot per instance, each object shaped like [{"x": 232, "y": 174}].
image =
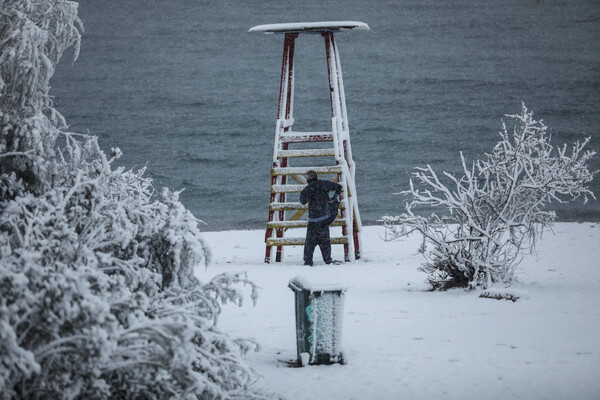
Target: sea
[{"x": 183, "y": 89}]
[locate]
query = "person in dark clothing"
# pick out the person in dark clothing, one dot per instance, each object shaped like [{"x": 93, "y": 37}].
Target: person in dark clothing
[{"x": 316, "y": 194}]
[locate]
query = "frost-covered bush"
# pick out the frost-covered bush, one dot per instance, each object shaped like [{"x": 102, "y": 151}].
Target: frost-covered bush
[
  {"x": 97, "y": 294},
  {"x": 495, "y": 212}
]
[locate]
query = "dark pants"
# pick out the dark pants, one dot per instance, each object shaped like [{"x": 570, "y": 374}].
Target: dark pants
[{"x": 317, "y": 233}]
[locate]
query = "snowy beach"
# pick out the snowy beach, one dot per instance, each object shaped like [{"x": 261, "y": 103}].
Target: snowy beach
[
  {"x": 98, "y": 258},
  {"x": 401, "y": 341}
]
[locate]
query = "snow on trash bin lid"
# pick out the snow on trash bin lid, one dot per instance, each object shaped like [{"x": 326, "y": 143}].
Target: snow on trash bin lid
[{"x": 301, "y": 282}]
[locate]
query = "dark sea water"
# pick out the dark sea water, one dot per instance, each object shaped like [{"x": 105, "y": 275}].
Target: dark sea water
[{"x": 180, "y": 85}]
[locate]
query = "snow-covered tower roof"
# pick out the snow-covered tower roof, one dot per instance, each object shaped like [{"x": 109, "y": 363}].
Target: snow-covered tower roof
[{"x": 307, "y": 27}]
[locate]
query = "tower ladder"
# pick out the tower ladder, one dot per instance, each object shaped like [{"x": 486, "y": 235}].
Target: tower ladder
[{"x": 336, "y": 148}]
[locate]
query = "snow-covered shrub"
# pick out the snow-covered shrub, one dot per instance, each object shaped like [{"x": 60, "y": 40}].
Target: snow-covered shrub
[
  {"x": 97, "y": 294},
  {"x": 495, "y": 211}
]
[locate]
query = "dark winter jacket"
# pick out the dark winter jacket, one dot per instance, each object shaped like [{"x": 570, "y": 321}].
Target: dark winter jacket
[{"x": 318, "y": 194}]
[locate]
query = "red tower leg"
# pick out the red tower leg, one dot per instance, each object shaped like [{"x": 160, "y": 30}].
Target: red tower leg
[{"x": 284, "y": 112}]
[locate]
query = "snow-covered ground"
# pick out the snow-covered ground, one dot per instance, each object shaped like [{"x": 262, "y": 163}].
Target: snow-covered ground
[{"x": 402, "y": 342}]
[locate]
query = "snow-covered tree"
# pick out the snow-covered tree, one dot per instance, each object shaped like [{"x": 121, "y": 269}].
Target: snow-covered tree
[
  {"x": 497, "y": 209},
  {"x": 98, "y": 299}
]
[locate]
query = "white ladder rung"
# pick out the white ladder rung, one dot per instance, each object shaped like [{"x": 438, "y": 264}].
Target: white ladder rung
[
  {"x": 299, "y": 241},
  {"x": 300, "y": 224},
  {"x": 287, "y": 206},
  {"x": 293, "y": 206},
  {"x": 306, "y": 137},
  {"x": 287, "y": 188},
  {"x": 334, "y": 169},
  {"x": 306, "y": 153}
]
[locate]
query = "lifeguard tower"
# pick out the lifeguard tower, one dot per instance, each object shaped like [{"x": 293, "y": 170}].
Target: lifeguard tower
[{"x": 290, "y": 144}]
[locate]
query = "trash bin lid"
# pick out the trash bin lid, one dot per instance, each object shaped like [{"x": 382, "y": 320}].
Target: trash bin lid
[{"x": 302, "y": 283}]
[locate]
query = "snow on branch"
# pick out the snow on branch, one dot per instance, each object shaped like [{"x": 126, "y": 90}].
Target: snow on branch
[
  {"x": 497, "y": 209},
  {"x": 98, "y": 294}
]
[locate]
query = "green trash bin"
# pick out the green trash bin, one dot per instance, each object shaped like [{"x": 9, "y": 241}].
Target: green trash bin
[{"x": 319, "y": 315}]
